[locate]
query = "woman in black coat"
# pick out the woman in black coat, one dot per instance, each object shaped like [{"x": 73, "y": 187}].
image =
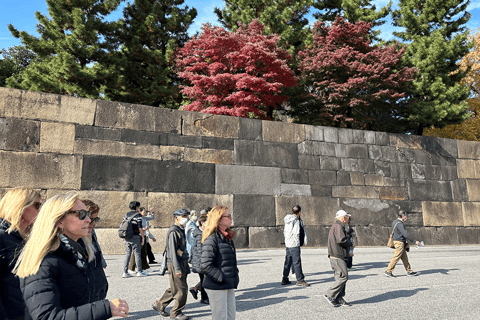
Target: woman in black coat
[
  {"x": 219, "y": 263},
  {"x": 18, "y": 209},
  {"x": 55, "y": 267}
]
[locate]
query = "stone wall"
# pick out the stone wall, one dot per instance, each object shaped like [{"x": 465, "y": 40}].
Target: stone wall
[{"x": 114, "y": 153}]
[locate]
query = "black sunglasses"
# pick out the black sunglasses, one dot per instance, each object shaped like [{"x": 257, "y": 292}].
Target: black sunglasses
[
  {"x": 95, "y": 220},
  {"x": 82, "y": 214},
  {"x": 37, "y": 205}
]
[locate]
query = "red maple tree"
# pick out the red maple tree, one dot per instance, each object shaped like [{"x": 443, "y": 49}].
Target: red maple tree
[
  {"x": 350, "y": 82},
  {"x": 234, "y": 73}
]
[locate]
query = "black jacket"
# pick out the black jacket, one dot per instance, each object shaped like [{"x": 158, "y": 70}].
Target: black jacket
[
  {"x": 177, "y": 249},
  {"x": 11, "y": 303},
  {"x": 196, "y": 257},
  {"x": 62, "y": 289},
  {"x": 100, "y": 283},
  {"x": 219, "y": 263}
]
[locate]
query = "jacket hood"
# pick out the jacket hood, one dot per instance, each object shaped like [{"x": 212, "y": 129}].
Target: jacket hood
[{"x": 290, "y": 218}]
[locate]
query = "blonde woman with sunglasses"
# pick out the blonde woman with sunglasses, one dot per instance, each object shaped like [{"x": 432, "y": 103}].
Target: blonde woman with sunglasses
[
  {"x": 18, "y": 210},
  {"x": 55, "y": 266}
]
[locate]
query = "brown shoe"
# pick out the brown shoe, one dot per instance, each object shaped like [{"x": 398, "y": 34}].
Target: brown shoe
[
  {"x": 181, "y": 316},
  {"x": 302, "y": 284},
  {"x": 159, "y": 310}
]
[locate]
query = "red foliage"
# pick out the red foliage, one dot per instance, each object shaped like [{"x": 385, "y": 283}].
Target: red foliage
[
  {"x": 348, "y": 79},
  {"x": 234, "y": 73}
]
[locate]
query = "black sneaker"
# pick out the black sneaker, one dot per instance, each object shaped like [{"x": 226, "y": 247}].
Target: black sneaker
[
  {"x": 205, "y": 301},
  {"x": 286, "y": 281},
  {"x": 343, "y": 303},
  {"x": 412, "y": 274},
  {"x": 389, "y": 274},
  {"x": 194, "y": 293},
  {"x": 331, "y": 301},
  {"x": 303, "y": 284}
]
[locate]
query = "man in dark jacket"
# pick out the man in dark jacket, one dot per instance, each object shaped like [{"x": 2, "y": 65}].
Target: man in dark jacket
[
  {"x": 135, "y": 242},
  {"x": 400, "y": 237},
  {"x": 338, "y": 246},
  {"x": 177, "y": 266}
]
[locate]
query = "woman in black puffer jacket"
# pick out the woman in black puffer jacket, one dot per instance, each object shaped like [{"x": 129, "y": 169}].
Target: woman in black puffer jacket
[
  {"x": 55, "y": 266},
  {"x": 195, "y": 260},
  {"x": 219, "y": 263},
  {"x": 18, "y": 209}
]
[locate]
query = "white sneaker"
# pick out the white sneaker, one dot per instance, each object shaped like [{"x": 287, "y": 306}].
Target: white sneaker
[
  {"x": 126, "y": 275},
  {"x": 131, "y": 272},
  {"x": 142, "y": 274}
]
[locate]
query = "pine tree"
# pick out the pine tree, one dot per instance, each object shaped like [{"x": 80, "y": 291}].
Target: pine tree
[
  {"x": 70, "y": 47},
  {"x": 437, "y": 39},
  {"x": 150, "y": 32},
  {"x": 283, "y": 17},
  {"x": 15, "y": 59}
]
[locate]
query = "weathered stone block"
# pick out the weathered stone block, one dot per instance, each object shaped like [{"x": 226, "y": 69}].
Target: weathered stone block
[
  {"x": 406, "y": 155},
  {"x": 429, "y": 190},
  {"x": 57, "y": 137},
  {"x": 144, "y": 137},
  {"x": 341, "y": 151},
  {"x": 358, "y": 137},
  {"x": 124, "y": 115},
  {"x": 468, "y": 235},
  {"x": 314, "y": 133},
  {"x": 389, "y": 154},
  {"x": 350, "y": 164},
  {"x": 394, "y": 182},
  {"x": 171, "y": 153},
  {"x": 39, "y": 170},
  {"x": 405, "y": 141},
  {"x": 357, "y": 178},
  {"x": 471, "y": 217},
  {"x": 324, "y": 149},
  {"x": 441, "y": 160},
  {"x": 240, "y": 238},
  {"x": 321, "y": 191},
  {"x": 261, "y": 237},
  {"x": 272, "y": 154},
  {"x": 330, "y": 134},
  {"x": 97, "y": 133},
  {"x": 322, "y": 177},
  {"x": 442, "y": 214},
  {"x": 250, "y": 129},
  {"x": 369, "y": 137},
  {"x": 20, "y": 135},
  {"x": 366, "y": 166},
  {"x": 239, "y": 180},
  {"x": 202, "y": 124},
  {"x": 345, "y": 136},
  {"x": 217, "y": 143},
  {"x": 473, "y": 190},
  {"x": 208, "y": 156},
  {"x": 382, "y": 168},
  {"x": 370, "y": 211},
  {"x": 295, "y": 189},
  {"x": 306, "y": 161},
  {"x": 448, "y": 147},
  {"x": 3, "y": 132},
  {"x": 107, "y": 173},
  {"x": 432, "y": 172},
  {"x": 316, "y": 211},
  {"x": 330, "y": 163},
  {"x": 374, "y": 152},
  {"x": 116, "y": 149},
  {"x": 374, "y": 180},
  {"x": 466, "y": 169},
  {"x": 174, "y": 176},
  {"x": 166, "y": 203},
  {"x": 393, "y": 193},
  {"x": 400, "y": 170},
  {"x": 468, "y": 149},
  {"x": 418, "y": 171},
  {"x": 364, "y": 192},
  {"x": 317, "y": 236},
  {"x": 167, "y": 120},
  {"x": 307, "y": 147},
  {"x": 244, "y": 152},
  {"x": 44, "y": 106},
  {"x": 372, "y": 235},
  {"x": 422, "y": 157},
  {"x": 448, "y": 173},
  {"x": 283, "y": 132},
  {"x": 184, "y": 141},
  {"x": 382, "y": 139},
  {"x": 343, "y": 178},
  {"x": 358, "y": 151},
  {"x": 254, "y": 210},
  {"x": 296, "y": 176}
]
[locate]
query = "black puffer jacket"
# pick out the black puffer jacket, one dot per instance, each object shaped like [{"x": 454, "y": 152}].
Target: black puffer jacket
[
  {"x": 11, "y": 304},
  {"x": 100, "y": 282},
  {"x": 196, "y": 257},
  {"x": 62, "y": 289},
  {"x": 219, "y": 263}
]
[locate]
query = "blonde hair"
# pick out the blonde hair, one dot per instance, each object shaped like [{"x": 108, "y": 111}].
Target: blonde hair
[
  {"x": 213, "y": 218},
  {"x": 14, "y": 203},
  {"x": 44, "y": 237}
]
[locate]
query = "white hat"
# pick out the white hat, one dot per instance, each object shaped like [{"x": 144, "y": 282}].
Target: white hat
[{"x": 341, "y": 213}]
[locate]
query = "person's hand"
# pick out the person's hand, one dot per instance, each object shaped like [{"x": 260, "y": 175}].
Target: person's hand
[
  {"x": 150, "y": 209},
  {"x": 154, "y": 239},
  {"x": 417, "y": 243},
  {"x": 119, "y": 308},
  {"x": 178, "y": 274}
]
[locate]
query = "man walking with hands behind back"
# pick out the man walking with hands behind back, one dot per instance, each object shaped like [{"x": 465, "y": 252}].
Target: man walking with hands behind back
[
  {"x": 400, "y": 237},
  {"x": 338, "y": 247}
]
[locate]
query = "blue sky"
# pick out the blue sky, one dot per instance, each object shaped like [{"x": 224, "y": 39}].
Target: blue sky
[{"x": 21, "y": 13}]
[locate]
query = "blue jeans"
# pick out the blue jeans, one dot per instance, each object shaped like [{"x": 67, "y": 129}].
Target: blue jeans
[
  {"x": 293, "y": 260},
  {"x": 135, "y": 243}
]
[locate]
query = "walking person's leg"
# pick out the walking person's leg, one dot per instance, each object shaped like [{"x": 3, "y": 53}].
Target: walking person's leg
[
  {"x": 399, "y": 249},
  {"x": 341, "y": 276},
  {"x": 231, "y": 305},
  {"x": 218, "y": 303},
  {"x": 128, "y": 253},
  {"x": 287, "y": 265},
  {"x": 137, "y": 251},
  {"x": 297, "y": 263}
]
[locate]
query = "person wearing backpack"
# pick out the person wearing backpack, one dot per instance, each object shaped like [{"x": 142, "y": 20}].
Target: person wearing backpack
[
  {"x": 133, "y": 241},
  {"x": 295, "y": 237}
]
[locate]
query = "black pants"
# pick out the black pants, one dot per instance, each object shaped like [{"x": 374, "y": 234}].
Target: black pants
[
  {"x": 199, "y": 286},
  {"x": 293, "y": 260},
  {"x": 151, "y": 256}
]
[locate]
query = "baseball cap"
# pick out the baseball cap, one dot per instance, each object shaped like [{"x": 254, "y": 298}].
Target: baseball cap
[
  {"x": 341, "y": 213},
  {"x": 180, "y": 212}
]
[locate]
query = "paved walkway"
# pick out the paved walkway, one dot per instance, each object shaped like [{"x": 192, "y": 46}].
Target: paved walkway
[{"x": 447, "y": 286}]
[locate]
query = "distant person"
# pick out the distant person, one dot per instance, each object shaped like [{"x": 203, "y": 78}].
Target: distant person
[
  {"x": 219, "y": 264},
  {"x": 295, "y": 236},
  {"x": 195, "y": 260},
  {"x": 18, "y": 210},
  {"x": 338, "y": 246},
  {"x": 400, "y": 237},
  {"x": 54, "y": 267},
  {"x": 177, "y": 266},
  {"x": 135, "y": 242},
  {"x": 146, "y": 236},
  {"x": 189, "y": 229},
  {"x": 350, "y": 232}
]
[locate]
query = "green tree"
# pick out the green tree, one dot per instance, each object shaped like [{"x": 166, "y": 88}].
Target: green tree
[
  {"x": 150, "y": 32},
  {"x": 72, "y": 45},
  {"x": 15, "y": 59},
  {"x": 283, "y": 17},
  {"x": 436, "y": 40}
]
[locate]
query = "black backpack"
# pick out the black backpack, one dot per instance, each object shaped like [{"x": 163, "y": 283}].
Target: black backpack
[
  {"x": 302, "y": 233},
  {"x": 125, "y": 231}
]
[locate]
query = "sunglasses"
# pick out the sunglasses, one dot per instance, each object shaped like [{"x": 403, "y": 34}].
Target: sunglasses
[
  {"x": 82, "y": 214},
  {"x": 37, "y": 205},
  {"x": 228, "y": 216},
  {"x": 95, "y": 220}
]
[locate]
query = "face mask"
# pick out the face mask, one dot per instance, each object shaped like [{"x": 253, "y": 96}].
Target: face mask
[
  {"x": 194, "y": 218},
  {"x": 183, "y": 221}
]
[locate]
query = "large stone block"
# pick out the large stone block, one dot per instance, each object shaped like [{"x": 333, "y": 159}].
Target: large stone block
[
  {"x": 124, "y": 115},
  {"x": 108, "y": 173},
  {"x": 467, "y": 168},
  {"x": 418, "y": 171},
  {"x": 272, "y": 154},
  {"x": 330, "y": 163},
  {"x": 382, "y": 139},
  {"x": 473, "y": 190},
  {"x": 317, "y": 236},
  {"x": 357, "y": 178},
  {"x": 358, "y": 151},
  {"x": 468, "y": 235},
  {"x": 57, "y": 137},
  {"x": 144, "y": 137},
  {"x": 370, "y": 211},
  {"x": 366, "y": 166},
  {"x": 374, "y": 152},
  {"x": 306, "y": 161},
  {"x": 283, "y": 132},
  {"x": 358, "y": 136},
  {"x": 330, "y": 134},
  {"x": 372, "y": 235},
  {"x": 374, "y": 180},
  {"x": 393, "y": 193},
  {"x": 38, "y": 170},
  {"x": 184, "y": 141},
  {"x": 253, "y": 210},
  {"x": 422, "y": 157},
  {"x": 382, "y": 168},
  {"x": 364, "y": 192},
  {"x": 448, "y": 173},
  {"x": 112, "y": 244},
  {"x": 166, "y": 203},
  {"x": 448, "y": 147},
  {"x": 171, "y": 153},
  {"x": 400, "y": 170},
  {"x": 314, "y": 133},
  {"x": 350, "y": 164},
  {"x": 459, "y": 190},
  {"x": 45, "y": 106},
  {"x": 167, "y": 120},
  {"x": 240, "y": 238},
  {"x": 247, "y": 180},
  {"x": 429, "y": 190},
  {"x": 174, "y": 176},
  {"x": 322, "y": 177},
  {"x": 244, "y": 152},
  {"x": 442, "y": 214},
  {"x": 307, "y": 147},
  {"x": 471, "y": 217},
  {"x": 316, "y": 211},
  {"x": 261, "y": 237},
  {"x": 439, "y": 159},
  {"x": 343, "y": 178},
  {"x": 250, "y": 129},
  {"x": 20, "y": 135},
  {"x": 297, "y": 176},
  {"x": 432, "y": 172},
  {"x": 97, "y": 133},
  {"x": 369, "y": 137},
  {"x": 345, "y": 136},
  {"x": 324, "y": 149},
  {"x": 117, "y": 149},
  {"x": 389, "y": 154},
  {"x": 341, "y": 151},
  {"x": 208, "y": 156},
  {"x": 405, "y": 141},
  {"x": 296, "y": 189},
  {"x": 202, "y": 124},
  {"x": 468, "y": 149},
  {"x": 217, "y": 143}
]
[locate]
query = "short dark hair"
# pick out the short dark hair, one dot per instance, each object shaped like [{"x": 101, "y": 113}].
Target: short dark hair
[
  {"x": 134, "y": 205},
  {"x": 296, "y": 208},
  {"x": 401, "y": 213},
  {"x": 141, "y": 208}
]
